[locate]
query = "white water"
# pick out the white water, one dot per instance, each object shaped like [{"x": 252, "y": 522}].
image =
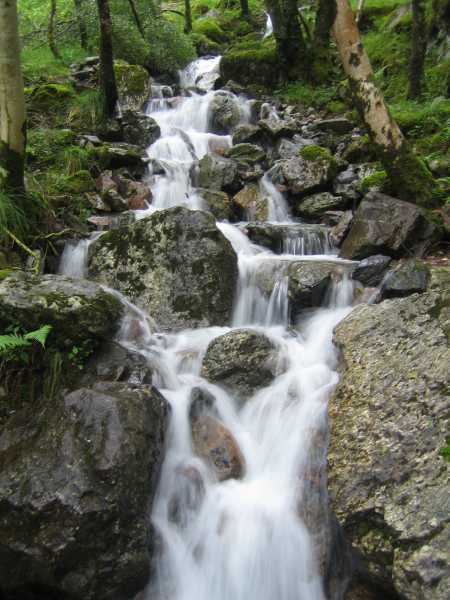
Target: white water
[
  {"x": 269, "y": 26},
  {"x": 238, "y": 539}
]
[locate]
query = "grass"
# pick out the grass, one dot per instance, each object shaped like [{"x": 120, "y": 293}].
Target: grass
[{"x": 39, "y": 64}]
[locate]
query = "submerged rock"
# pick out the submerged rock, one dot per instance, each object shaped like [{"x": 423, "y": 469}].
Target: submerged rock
[
  {"x": 385, "y": 225},
  {"x": 388, "y": 481},
  {"x": 175, "y": 264},
  {"x": 78, "y": 476},
  {"x": 78, "y": 310},
  {"x": 243, "y": 361}
]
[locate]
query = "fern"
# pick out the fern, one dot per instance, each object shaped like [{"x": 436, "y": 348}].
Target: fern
[{"x": 14, "y": 341}]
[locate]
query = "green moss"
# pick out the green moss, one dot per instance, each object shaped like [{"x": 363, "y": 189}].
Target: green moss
[
  {"x": 253, "y": 65},
  {"x": 309, "y": 95},
  {"x": 315, "y": 153},
  {"x": 375, "y": 181},
  {"x": 131, "y": 79},
  {"x": 48, "y": 95},
  {"x": 445, "y": 450},
  {"x": 211, "y": 28},
  {"x": 205, "y": 45}
]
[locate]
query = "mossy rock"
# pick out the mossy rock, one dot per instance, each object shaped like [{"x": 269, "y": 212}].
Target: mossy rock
[
  {"x": 132, "y": 80},
  {"x": 210, "y": 27},
  {"x": 80, "y": 182},
  {"x": 48, "y": 94},
  {"x": 204, "y": 45},
  {"x": 315, "y": 153},
  {"x": 257, "y": 66},
  {"x": 375, "y": 182}
]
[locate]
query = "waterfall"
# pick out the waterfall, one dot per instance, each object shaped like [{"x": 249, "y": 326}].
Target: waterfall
[{"x": 247, "y": 538}]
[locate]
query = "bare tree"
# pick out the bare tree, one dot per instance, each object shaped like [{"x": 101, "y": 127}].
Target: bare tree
[
  {"x": 12, "y": 100},
  {"x": 408, "y": 174},
  {"x": 419, "y": 38},
  {"x": 107, "y": 75},
  {"x": 81, "y": 23},
  {"x": 51, "y": 30}
]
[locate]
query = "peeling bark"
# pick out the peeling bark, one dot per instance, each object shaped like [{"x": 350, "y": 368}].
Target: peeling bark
[
  {"x": 12, "y": 99},
  {"x": 419, "y": 40},
  {"x": 107, "y": 75},
  {"x": 408, "y": 174}
]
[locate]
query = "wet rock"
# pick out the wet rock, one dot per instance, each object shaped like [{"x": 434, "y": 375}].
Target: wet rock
[
  {"x": 385, "y": 225},
  {"x": 277, "y": 128},
  {"x": 78, "y": 476},
  {"x": 243, "y": 361},
  {"x": 313, "y": 207},
  {"x": 217, "y": 173},
  {"x": 116, "y": 156},
  {"x": 339, "y": 125},
  {"x": 175, "y": 264},
  {"x": 77, "y": 310},
  {"x": 342, "y": 227},
  {"x": 138, "y": 129},
  {"x": 252, "y": 203},
  {"x": 312, "y": 170},
  {"x": 218, "y": 203},
  {"x": 246, "y": 153},
  {"x": 310, "y": 239},
  {"x": 308, "y": 283},
  {"x": 408, "y": 277},
  {"x": 288, "y": 148},
  {"x": 139, "y": 195},
  {"x": 214, "y": 442},
  {"x": 247, "y": 133},
  {"x": 114, "y": 363},
  {"x": 370, "y": 270},
  {"x": 388, "y": 482},
  {"x": 202, "y": 402},
  {"x": 224, "y": 113}
]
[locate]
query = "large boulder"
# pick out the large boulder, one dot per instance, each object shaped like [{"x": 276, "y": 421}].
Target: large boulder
[
  {"x": 246, "y": 153},
  {"x": 139, "y": 129},
  {"x": 388, "y": 478},
  {"x": 175, "y": 264},
  {"x": 385, "y": 225},
  {"x": 243, "y": 361},
  {"x": 407, "y": 277},
  {"x": 217, "y": 173},
  {"x": 78, "y": 475},
  {"x": 313, "y": 207},
  {"x": 79, "y": 311},
  {"x": 251, "y": 203},
  {"x": 217, "y": 202},
  {"x": 224, "y": 113}
]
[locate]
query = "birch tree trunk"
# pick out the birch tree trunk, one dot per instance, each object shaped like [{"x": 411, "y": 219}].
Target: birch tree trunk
[
  {"x": 107, "y": 75},
  {"x": 81, "y": 23},
  {"x": 51, "y": 30},
  {"x": 12, "y": 100},
  {"x": 419, "y": 37},
  {"x": 409, "y": 177}
]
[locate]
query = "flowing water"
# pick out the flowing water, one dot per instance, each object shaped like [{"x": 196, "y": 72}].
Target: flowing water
[{"x": 248, "y": 538}]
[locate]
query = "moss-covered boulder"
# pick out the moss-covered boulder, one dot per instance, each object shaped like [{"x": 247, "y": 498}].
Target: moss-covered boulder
[
  {"x": 313, "y": 207},
  {"x": 251, "y": 66},
  {"x": 389, "y": 420},
  {"x": 78, "y": 475},
  {"x": 210, "y": 27},
  {"x": 218, "y": 203},
  {"x": 47, "y": 95},
  {"x": 249, "y": 154},
  {"x": 243, "y": 361},
  {"x": 217, "y": 173},
  {"x": 175, "y": 264},
  {"x": 77, "y": 310},
  {"x": 133, "y": 84}
]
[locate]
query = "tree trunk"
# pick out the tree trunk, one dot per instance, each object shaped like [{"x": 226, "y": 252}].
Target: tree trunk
[
  {"x": 408, "y": 175},
  {"x": 107, "y": 75},
  {"x": 325, "y": 15},
  {"x": 245, "y": 10},
  {"x": 288, "y": 35},
  {"x": 187, "y": 16},
  {"x": 12, "y": 100},
  {"x": 51, "y": 30},
  {"x": 136, "y": 18},
  {"x": 81, "y": 23},
  {"x": 359, "y": 10},
  {"x": 419, "y": 37}
]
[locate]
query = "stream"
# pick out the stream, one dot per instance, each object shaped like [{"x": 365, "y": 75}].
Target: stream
[{"x": 250, "y": 538}]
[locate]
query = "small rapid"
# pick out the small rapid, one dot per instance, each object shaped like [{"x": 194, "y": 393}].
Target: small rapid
[{"x": 247, "y": 538}]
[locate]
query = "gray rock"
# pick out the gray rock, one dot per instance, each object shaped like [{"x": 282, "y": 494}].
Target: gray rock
[
  {"x": 78, "y": 310},
  {"x": 247, "y": 134},
  {"x": 246, "y": 153},
  {"x": 338, "y": 125},
  {"x": 224, "y": 113},
  {"x": 78, "y": 476},
  {"x": 217, "y": 173},
  {"x": 175, "y": 264},
  {"x": 251, "y": 203},
  {"x": 139, "y": 129},
  {"x": 278, "y": 128},
  {"x": 313, "y": 207},
  {"x": 340, "y": 230},
  {"x": 305, "y": 175},
  {"x": 243, "y": 361},
  {"x": 312, "y": 239},
  {"x": 388, "y": 482},
  {"x": 370, "y": 271},
  {"x": 385, "y": 225},
  {"x": 408, "y": 277},
  {"x": 114, "y": 363},
  {"x": 218, "y": 203}
]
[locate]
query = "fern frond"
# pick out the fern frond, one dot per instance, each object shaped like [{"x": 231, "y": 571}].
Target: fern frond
[
  {"x": 12, "y": 341},
  {"x": 40, "y": 335}
]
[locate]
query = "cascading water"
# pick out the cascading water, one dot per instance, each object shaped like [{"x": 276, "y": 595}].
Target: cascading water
[{"x": 247, "y": 538}]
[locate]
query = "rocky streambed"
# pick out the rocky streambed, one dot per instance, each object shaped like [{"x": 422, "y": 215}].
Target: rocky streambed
[{"x": 234, "y": 240}]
